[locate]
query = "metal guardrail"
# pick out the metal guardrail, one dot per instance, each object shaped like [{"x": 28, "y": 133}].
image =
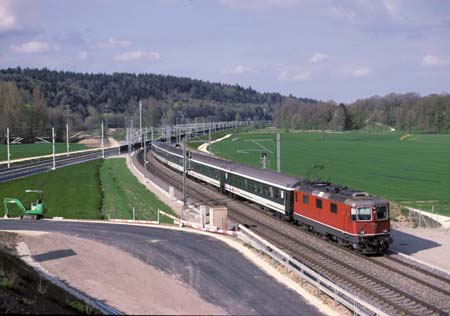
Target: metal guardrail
[{"x": 324, "y": 285}]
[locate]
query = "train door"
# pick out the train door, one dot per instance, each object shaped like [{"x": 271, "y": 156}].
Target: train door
[
  {"x": 288, "y": 202},
  {"x": 222, "y": 176}
]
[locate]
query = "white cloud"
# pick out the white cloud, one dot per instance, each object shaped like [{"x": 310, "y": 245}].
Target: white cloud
[
  {"x": 288, "y": 75},
  {"x": 8, "y": 19},
  {"x": 83, "y": 55},
  {"x": 434, "y": 61},
  {"x": 33, "y": 47},
  {"x": 238, "y": 70},
  {"x": 360, "y": 72},
  {"x": 318, "y": 57},
  {"x": 113, "y": 43},
  {"x": 137, "y": 55}
]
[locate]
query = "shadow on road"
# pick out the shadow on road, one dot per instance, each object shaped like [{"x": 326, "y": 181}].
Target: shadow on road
[
  {"x": 56, "y": 254},
  {"x": 409, "y": 244}
]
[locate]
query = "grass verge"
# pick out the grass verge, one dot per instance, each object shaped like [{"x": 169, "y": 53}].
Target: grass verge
[{"x": 122, "y": 192}]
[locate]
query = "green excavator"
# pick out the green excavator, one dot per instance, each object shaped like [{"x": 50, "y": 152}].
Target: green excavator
[{"x": 37, "y": 208}]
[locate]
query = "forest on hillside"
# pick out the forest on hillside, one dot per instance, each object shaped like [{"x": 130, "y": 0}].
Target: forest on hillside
[{"x": 33, "y": 100}]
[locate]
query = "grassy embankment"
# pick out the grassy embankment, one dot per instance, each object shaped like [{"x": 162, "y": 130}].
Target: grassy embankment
[
  {"x": 91, "y": 190},
  {"x": 413, "y": 170},
  {"x": 195, "y": 142},
  {"x": 31, "y": 150},
  {"x": 122, "y": 192}
]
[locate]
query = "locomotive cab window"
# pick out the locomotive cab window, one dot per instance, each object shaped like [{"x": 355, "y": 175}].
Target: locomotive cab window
[
  {"x": 333, "y": 208},
  {"x": 305, "y": 199},
  {"x": 318, "y": 203},
  {"x": 364, "y": 214},
  {"x": 382, "y": 213},
  {"x": 361, "y": 214}
]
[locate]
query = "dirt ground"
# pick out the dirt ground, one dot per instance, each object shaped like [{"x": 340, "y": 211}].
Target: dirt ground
[
  {"x": 22, "y": 291},
  {"x": 109, "y": 275}
]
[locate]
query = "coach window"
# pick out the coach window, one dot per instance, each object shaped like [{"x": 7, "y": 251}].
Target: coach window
[
  {"x": 333, "y": 208},
  {"x": 305, "y": 199},
  {"x": 318, "y": 203}
]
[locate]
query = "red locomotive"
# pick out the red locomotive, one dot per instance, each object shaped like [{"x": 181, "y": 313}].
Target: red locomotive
[{"x": 350, "y": 217}]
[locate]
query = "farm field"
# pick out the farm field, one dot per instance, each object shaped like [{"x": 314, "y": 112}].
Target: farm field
[
  {"x": 90, "y": 190},
  {"x": 412, "y": 170},
  {"x": 32, "y": 150}
]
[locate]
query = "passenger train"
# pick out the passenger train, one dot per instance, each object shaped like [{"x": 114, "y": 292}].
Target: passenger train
[{"x": 348, "y": 216}]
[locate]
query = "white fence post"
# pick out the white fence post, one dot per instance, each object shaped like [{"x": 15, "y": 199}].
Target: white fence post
[
  {"x": 8, "y": 154},
  {"x": 53, "y": 146}
]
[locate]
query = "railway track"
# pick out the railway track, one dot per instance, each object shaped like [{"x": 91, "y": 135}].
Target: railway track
[
  {"x": 43, "y": 165},
  {"x": 396, "y": 288}
]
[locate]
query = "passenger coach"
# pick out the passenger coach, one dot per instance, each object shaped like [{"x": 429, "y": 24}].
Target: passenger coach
[{"x": 272, "y": 190}]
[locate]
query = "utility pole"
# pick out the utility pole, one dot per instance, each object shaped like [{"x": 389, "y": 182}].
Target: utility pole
[
  {"x": 67, "y": 130},
  {"x": 140, "y": 121},
  {"x": 209, "y": 134},
  {"x": 67, "y": 139},
  {"x": 103, "y": 144},
  {"x": 106, "y": 121},
  {"x": 128, "y": 141},
  {"x": 131, "y": 134},
  {"x": 53, "y": 146},
  {"x": 152, "y": 134},
  {"x": 184, "y": 173},
  {"x": 278, "y": 153},
  {"x": 7, "y": 147},
  {"x": 145, "y": 152}
]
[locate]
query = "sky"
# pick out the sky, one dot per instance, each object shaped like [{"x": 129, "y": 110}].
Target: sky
[{"x": 337, "y": 50}]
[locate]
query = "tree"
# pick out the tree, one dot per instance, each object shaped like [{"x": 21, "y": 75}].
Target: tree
[{"x": 340, "y": 120}]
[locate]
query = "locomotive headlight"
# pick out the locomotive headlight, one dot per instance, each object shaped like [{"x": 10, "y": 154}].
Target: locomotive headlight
[
  {"x": 385, "y": 230},
  {"x": 362, "y": 232}
]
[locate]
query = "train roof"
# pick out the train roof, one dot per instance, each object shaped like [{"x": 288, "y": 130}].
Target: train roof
[
  {"x": 263, "y": 175},
  {"x": 342, "y": 194}
]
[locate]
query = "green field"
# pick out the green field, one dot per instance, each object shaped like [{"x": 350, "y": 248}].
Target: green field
[
  {"x": 32, "y": 150},
  {"x": 90, "y": 190},
  {"x": 414, "y": 171},
  {"x": 71, "y": 192}
]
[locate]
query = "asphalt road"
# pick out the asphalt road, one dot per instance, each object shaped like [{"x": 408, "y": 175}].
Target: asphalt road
[{"x": 220, "y": 274}]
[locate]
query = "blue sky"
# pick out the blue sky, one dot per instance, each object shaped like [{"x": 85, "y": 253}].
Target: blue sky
[{"x": 324, "y": 49}]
